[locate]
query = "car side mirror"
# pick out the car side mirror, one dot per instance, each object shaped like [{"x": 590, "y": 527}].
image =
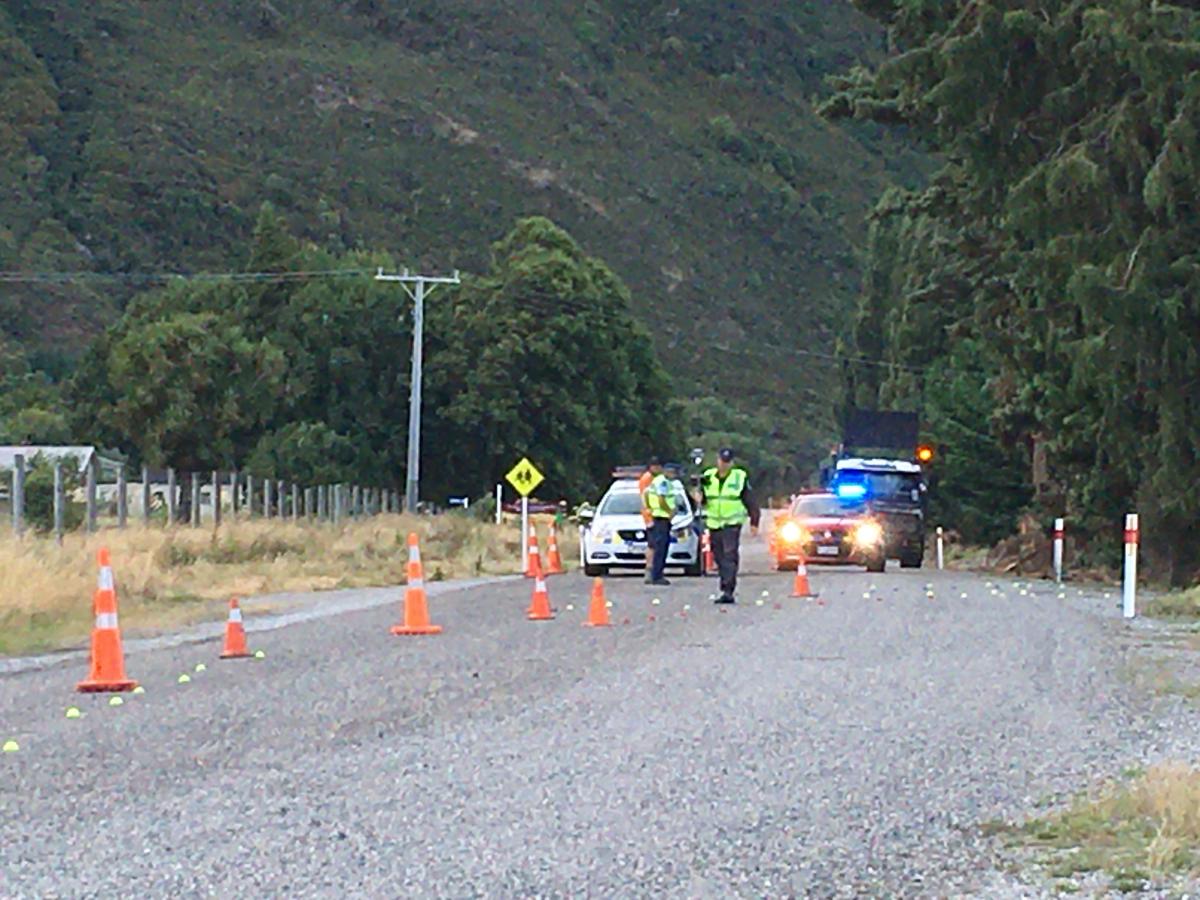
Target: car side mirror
[{"x": 586, "y": 515}]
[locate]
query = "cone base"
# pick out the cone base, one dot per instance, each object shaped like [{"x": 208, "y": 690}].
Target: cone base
[
  {"x": 597, "y": 624},
  {"x": 416, "y": 629},
  {"x": 803, "y": 596},
  {"x": 534, "y": 617},
  {"x": 243, "y": 655},
  {"x": 105, "y": 687}
]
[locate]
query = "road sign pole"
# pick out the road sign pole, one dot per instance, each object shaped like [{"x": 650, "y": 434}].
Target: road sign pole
[{"x": 524, "y": 534}]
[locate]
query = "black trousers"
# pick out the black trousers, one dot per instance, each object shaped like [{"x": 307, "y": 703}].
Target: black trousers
[
  {"x": 726, "y": 548},
  {"x": 658, "y": 536}
]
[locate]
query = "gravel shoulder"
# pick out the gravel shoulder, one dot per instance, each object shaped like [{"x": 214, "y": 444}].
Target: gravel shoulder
[{"x": 847, "y": 747}]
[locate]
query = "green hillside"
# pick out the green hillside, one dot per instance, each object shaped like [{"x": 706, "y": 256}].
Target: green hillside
[{"x": 678, "y": 142}]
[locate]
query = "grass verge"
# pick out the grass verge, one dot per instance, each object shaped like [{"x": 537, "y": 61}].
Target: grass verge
[
  {"x": 1142, "y": 829},
  {"x": 1181, "y": 606},
  {"x": 168, "y": 578}
]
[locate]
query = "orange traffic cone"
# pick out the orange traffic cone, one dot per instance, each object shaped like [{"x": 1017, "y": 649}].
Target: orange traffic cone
[
  {"x": 598, "y": 612},
  {"x": 533, "y": 564},
  {"x": 108, "y": 659},
  {"x": 800, "y": 588},
  {"x": 554, "y": 565},
  {"x": 706, "y": 544},
  {"x": 416, "y": 606},
  {"x": 235, "y": 633},
  {"x": 539, "y": 606}
]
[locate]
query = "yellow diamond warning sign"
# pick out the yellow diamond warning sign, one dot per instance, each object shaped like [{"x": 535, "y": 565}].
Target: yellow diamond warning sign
[{"x": 524, "y": 477}]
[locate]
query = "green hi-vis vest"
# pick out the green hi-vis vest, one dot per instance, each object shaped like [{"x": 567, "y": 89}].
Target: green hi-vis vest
[
  {"x": 723, "y": 506},
  {"x": 659, "y": 498}
]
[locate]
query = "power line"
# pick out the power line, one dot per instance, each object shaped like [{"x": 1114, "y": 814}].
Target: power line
[{"x": 9, "y": 277}]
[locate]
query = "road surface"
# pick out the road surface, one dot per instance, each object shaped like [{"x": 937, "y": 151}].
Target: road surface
[{"x": 847, "y": 747}]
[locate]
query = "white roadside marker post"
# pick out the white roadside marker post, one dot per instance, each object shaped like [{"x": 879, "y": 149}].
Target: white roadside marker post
[
  {"x": 1129, "y": 599},
  {"x": 941, "y": 560},
  {"x": 499, "y": 500},
  {"x": 1058, "y": 550}
]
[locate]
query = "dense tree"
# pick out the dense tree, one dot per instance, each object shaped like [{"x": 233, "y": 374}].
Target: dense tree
[
  {"x": 543, "y": 356},
  {"x": 1060, "y": 238},
  {"x": 308, "y": 379}
]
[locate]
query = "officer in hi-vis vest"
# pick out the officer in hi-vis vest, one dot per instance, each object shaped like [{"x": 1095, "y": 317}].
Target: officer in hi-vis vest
[{"x": 728, "y": 504}]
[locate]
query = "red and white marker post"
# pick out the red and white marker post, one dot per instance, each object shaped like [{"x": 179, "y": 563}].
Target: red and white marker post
[
  {"x": 1058, "y": 550},
  {"x": 1129, "y": 599}
]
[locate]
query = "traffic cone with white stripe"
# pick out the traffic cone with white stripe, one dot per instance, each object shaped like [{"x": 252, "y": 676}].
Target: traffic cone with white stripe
[
  {"x": 108, "y": 659},
  {"x": 416, "y": 605},
  {"x": 554, "y": 564},
  {"x": 709, "y": 563},
  {"x": 800, "y": 587},
  {"x": 539, "y": 606},
  {"x": 533, "y": 565},
  {"x": 235, "y": 633},
  {"x": 598, "y": 612}
]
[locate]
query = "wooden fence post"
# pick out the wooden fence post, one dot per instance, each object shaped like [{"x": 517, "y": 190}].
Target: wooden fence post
[
  {"x": 59, "y": 507},
  {"x": 145, "y": 495},
  {"x": 172, "y": 497},
  {"x": 197, "y": 519},
  {"x": 122, "y": 498},
  {"x": 216, "y": 499},
  {"x": 92, "y": 466},
  {"x": 18, "y": 495}
]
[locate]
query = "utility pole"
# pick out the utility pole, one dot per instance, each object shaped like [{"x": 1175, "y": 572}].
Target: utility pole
[{"x": 418, "y": 287}]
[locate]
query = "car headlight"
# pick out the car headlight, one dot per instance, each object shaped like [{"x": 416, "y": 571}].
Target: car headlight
[
  {"x": 868, "y": 534},
  {"x": 680, "y": 533},
  {"x": 792, "y": 533},
  {"x": 602, "y": 533}
]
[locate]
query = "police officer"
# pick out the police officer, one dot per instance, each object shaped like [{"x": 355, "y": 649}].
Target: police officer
[
  {"x": 728, "y": 504},
  {"x": 658, "y": 500}
]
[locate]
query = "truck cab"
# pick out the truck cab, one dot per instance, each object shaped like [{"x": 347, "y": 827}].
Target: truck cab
[{"x": 892, "y": 492}]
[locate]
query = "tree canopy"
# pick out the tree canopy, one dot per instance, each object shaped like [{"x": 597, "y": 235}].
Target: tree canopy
[
  {"x": 1058, "y": 242},
  {"x": 308, "y": 379}
]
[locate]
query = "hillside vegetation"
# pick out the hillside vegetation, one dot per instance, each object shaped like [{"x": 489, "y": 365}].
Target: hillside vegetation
[{"x": 676, "y": 142}]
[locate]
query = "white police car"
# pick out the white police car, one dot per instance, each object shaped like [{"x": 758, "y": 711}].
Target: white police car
[{"x": 614, "y": 537}]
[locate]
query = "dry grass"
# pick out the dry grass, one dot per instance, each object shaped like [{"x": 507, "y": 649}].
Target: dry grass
[
  {"x": 1182, "y": 606},
  {"x": 1144, "y": 829},
  {"x": 171, "y": 577}
]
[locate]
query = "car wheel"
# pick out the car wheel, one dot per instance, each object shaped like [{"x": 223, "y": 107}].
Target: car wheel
[
  {"x": 696, "y": 569},
  {"x": 877, "y": 564},
  {"x": 911, "y": 559},
  {"x": 594, "y": 571}
]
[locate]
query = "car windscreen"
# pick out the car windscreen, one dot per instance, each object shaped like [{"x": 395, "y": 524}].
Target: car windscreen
[
  {"x": 621, "y": 503},
  {"x": 814, "y": 507},
  {"x": 628, "y": 503}
]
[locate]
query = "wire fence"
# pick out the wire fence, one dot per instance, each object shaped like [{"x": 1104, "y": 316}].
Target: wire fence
[{"x": 90, "y": 498}]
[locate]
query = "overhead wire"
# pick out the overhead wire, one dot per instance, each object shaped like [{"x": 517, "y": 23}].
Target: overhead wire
[
  {"x": 12, "y": 277},
  {"x": 538, "y": 304}
]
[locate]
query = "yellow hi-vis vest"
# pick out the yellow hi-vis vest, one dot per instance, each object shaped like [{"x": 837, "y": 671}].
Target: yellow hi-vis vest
[
  {"x": 723, "y": 506},
  {"x": 659, "y": 498}
]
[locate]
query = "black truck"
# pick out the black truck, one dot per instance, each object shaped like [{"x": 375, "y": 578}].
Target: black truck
[{"x": 878, "y": 468}]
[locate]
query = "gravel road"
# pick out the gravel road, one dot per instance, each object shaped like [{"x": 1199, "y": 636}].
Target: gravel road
[{"x": 847, "y": 747}]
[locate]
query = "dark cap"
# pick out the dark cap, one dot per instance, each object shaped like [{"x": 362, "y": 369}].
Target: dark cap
[
  {"x": 726, "y": 455},
  {"x": 654, "y": 461}
]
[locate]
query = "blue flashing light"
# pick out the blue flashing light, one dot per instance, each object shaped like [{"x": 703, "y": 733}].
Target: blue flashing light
[{"x": 851, "y": 491}]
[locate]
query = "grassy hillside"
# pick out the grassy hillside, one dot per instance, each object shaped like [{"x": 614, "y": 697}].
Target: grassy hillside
[{"x": 677, "y": 141}]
